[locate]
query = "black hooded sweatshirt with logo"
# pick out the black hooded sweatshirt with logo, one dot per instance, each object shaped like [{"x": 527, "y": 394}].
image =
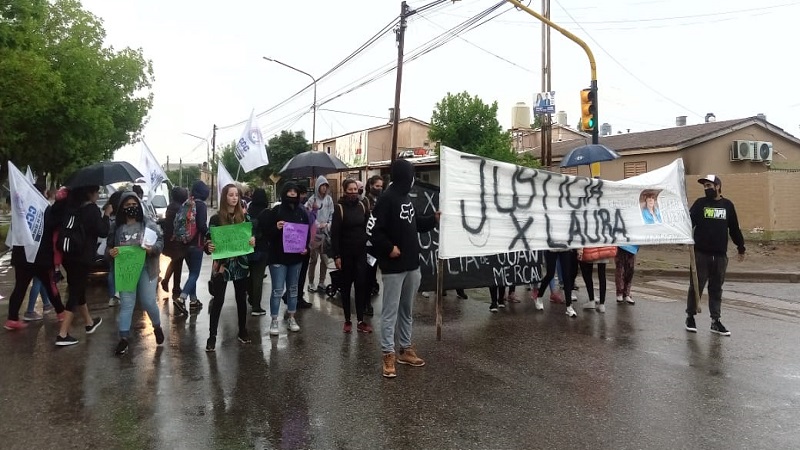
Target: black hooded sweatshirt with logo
[
  {"x": 394, "y": 222},
  {"x": 713, "y": 220}
]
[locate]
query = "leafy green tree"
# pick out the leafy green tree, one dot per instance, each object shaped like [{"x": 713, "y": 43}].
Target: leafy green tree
[
  {"x": 66, "y": 100},
  {"x": 191, "y": 173},
  {"x": 283, "y": 147},
  {"x": 467, "y": 124}
]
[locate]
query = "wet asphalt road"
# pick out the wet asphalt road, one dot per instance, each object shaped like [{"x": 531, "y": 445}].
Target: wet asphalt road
[{"x": 519, "y": 379}]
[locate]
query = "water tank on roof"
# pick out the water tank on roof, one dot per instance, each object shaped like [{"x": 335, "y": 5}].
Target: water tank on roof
[
  {"x": 561, "y": 118},
  {"x": 680, "y": 121},
  {"x": 761, "y": 116},
  {"x": 520, "y": 116},
  {"x": 605, "y": 129}
]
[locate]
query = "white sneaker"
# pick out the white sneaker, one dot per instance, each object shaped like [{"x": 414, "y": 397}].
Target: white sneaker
[
  {"x": 293, "y": 326},
  {"x": 619, "y": 299},
  {"x": 601, "y": 308},
  {"x": 629, "y": 300},
  {"x": 574, "y": 296},
  {"x": 589, "y": 305},
  {"x": 571, "y": 312},
  {"x": 426, "y": 294},
  {"x": 113, "y": 301},
  {"x": 311, "y": 287},
  {"x": 273, "y": 328},
  {"x": 537, "y": 303}
]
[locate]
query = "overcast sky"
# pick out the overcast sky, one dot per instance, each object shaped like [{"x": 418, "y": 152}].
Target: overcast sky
[{"x": 656, "y": 59}]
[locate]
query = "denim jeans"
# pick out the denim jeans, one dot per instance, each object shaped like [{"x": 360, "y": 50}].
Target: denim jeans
[
  {"x": 146, "y": 292},
  {"x": 399, "y": 292},
  {"x": 283, "y": 276},
  {"x": 194, "y": 259},
  {"x": 112, "y": 288},
  {"x": 37, "y": 289}
]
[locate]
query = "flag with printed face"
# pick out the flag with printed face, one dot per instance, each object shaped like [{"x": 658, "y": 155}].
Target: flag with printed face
[
  {"x": 223, "y": 179},
  {"x": 148, "y": 164},
  {"x": 27, "y": 213},
  {"x": 251, "y": 151}
]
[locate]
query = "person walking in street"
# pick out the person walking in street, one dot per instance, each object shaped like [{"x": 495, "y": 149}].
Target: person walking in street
[
  {"x": 392, "y": 230},
  {"x": 129, "y": 228},
  {"x": 235, "y": 269},
  {"x": 302, "y": 193},
  {"x": 284, "y": 267},
  {"x": 625, "y": 263},
  {"x": 173, "y": 248},
  {"x": 374, "y": 190},
  {"x": 191, "y": 227},
  {"x": 713, "y": 218},
  {"x": 321, "y": 206},
  {"x": 258, "y": 211},
  {"x": 349, "y": 242}
]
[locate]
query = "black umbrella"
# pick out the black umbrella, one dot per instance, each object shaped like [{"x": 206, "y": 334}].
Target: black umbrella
[
  {"x": 312, "y": 164},
  {"x": 102, "y": 174},
  {"x": 588, "y": 154}
]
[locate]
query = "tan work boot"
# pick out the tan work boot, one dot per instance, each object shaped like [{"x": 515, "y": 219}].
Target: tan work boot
[
  {"x": 388, "y": 365},
  {"x": 409, "y": 356}
]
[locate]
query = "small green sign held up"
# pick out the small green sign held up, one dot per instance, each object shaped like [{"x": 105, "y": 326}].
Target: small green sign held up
[
  {"x": 231, "y": 240},
  {"x": 128, "y": 267}
]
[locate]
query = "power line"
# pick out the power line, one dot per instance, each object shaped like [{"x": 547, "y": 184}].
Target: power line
[
  {"x": 625, "y": 68},
  {"x": 353, "y": 113}
]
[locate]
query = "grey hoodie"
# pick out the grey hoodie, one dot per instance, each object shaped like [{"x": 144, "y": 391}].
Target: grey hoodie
[
  {"x": 115, "y": 234},
  {"x": 323, "y": 204}
]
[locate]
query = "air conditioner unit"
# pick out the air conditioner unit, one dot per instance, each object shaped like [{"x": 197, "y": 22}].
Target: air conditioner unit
[
  {"x": 742, "y": 150},
  {"x": 763, "y": 151}
]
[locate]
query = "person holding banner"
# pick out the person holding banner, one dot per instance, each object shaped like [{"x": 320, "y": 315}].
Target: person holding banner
[
  {"x": 235, "y": 269},
  {"x": 349, "y": 242},
  {"x": 132, "y": 229},
  {"x": 553, "y": 257},
  {"x": 714, "y": 218},
  {"x": 392, "y": 230},
  {"x": 288, "y": 232}
]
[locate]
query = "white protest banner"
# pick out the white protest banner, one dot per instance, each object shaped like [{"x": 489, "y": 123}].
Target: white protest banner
[
  {"x": 148, "y": 164},
  {"x": 29, "y": 175},
  {"x": 251, "y": 151},
  {"x": 491, "y": 207},
  {"x": 27, "y": 213},
  {"x": 223, "y": 179}
]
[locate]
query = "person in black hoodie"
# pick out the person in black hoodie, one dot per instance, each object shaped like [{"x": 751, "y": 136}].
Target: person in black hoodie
[
  {"x": 392, "y": 232},
  {"x": 258, "y": 211},
  {"x": 174, "y": 249},
  {"x": 284, "y": 268},
  {"x": 81, "y": 201},
  {"x": 349, "y": 243},
  {"x": 194, "y": 252},
  {"x": 713, "y": 218}
]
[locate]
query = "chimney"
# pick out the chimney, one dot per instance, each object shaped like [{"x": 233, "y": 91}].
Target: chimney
[
  {"x": 710, "y": 117},
  {"x": 391, "y": 115},
  {"x": 680, "y": 121}
]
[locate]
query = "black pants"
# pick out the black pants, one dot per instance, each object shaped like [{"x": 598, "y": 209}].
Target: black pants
[
  {"x": 567, "y": 269},
  {"x": 77, "y": 280},
  {"x": 23, "y": 275},
  {"x": 497, "y": 294},
  {"x": 301, "y": 284},
  {"x": 586, "y": 272},
  {"x": 256, "y": 284},
  {"x": 354, "y": 272},
  {"x": 710, "y": 269},
  {"x": 175, "y": 269},
  {"x": 219, "y": 285}
]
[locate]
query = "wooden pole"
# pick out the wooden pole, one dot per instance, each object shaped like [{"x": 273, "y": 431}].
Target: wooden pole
[
  {"x": 439, "y": 292},
  {"x": 693, "y": 272}
]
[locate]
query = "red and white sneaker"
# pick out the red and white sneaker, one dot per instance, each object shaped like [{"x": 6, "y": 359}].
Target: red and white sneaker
[{"x": 12, "y": 325}]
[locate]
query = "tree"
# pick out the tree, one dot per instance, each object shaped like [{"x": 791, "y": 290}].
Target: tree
[
  {"x": 537, "y": 122},
  {"x": 66, "y": 100},
  {"x": 467, "y": 124},
  {"x": 191, "y": 173},
  {"x": 283, "y": 147}
]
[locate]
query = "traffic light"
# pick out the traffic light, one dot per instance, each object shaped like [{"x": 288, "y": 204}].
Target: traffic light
[{"x": 588, "y": 111}]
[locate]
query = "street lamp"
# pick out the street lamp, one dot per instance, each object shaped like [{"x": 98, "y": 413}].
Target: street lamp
[
  {"x": 210, "y": 168},
  {"x": 314, "y": 107}
]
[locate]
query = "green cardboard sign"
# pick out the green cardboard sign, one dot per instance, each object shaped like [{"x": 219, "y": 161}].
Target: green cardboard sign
[
  {"x": 231, "y": 240},
  {"x": 128, "y": 267}
]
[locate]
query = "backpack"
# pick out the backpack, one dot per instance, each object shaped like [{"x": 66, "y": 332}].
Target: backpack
[
  {"x": 185, "y": 225},
  {"x": 71, "y": 235}
]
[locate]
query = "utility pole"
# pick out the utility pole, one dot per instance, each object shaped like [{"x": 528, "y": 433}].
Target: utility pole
[
  {"x": 213, "y": 159},
  {"x": 546, "y": 128},
  {"x": 180, "y": 171},
  {"x": 405, "y": 12}
]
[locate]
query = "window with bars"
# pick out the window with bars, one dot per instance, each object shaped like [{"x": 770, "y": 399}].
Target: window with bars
[{"x": 635, "y": 168}]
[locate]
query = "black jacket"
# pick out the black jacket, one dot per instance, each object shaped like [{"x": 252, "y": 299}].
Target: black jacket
[
  {"x": 713, "y": 220},
  {"x": 349, "y": 233},
  {"x": 288, "y": 213},
  {"x": 394, "y": 222},
  {"x": 95, "y": 226}
]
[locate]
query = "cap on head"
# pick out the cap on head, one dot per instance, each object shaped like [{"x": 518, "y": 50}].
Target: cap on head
[{"x": 713, "y": 179}]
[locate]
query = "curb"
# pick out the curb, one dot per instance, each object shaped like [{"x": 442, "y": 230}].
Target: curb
[{"x": 763, "y": 277}]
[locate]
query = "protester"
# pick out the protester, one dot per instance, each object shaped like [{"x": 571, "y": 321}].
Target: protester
[
  {"x": 321, "y": 206},
  {"x": 714, "y": 218},
  {"x": 302, "y": 193},
  {"x": 258, "y": 212},
  {"x": 194, "y": 252},
  {"x": 392, "y": 231},
  {"x": 113, "y": 204},
  {"x": 374, "y": 190},
  {"x": 173, "y": 248},
  {"x": 130, "y": 228},
  {"x": 624, "y": 264}
]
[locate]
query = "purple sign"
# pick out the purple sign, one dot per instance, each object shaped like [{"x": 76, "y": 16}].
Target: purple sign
[{"x": 295, "y": 237}]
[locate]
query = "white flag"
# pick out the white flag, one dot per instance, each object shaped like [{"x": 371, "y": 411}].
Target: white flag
[
  {"x": 29, "y": 175},
  {"x": 110, "y": 189},
  {"x": 250, "y": 149},
  {"x": 223, "y": 179},
  {"x": 148, "y": 164},
  {"x": 490, "y": 207},
  {"x": 27, "y": 213}
]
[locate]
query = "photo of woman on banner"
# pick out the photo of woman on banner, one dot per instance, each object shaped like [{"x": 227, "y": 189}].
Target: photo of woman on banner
[{"x": 649, "y": 204}]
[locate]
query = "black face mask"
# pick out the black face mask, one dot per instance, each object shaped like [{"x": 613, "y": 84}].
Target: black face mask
[
  {"x": 293, "y": 200},
  {"x": 351, "y": 198},
  {"x": 376, "y": 191},
  {"x": 131, "y": 211},
  {"x": 711, "y": 193}
]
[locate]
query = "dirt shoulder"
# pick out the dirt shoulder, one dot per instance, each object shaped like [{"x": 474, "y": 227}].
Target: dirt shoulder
[{"x": 760, "y": 257}]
